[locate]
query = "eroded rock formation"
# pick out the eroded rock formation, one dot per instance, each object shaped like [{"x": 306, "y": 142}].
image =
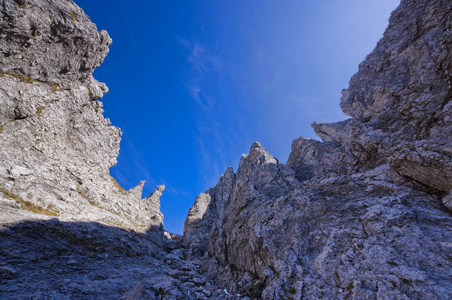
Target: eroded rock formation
[
  {"x": 364, "y": 214},
  {"x": 57, "y": 147},
  {"x": 67, "y": 229}
]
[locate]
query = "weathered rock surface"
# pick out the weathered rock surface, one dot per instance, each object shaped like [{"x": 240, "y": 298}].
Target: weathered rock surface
[
  {"x": 74, "y": 260},
  {"x": 365, "y": 214},
  {"x": 57, "y": 147},
  {"x": 67, "y": 229},
  {"x": 56, "y": 151},
  {"x": 63, "y": 45},
  {"x": 207, "y": 209}
]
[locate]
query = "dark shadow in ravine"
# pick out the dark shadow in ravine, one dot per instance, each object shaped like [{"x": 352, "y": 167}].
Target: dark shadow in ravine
[{"x": 77, "y": 260}]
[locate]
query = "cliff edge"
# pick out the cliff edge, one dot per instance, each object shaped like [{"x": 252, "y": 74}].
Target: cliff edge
[
  {"x": 57, "y": 147},
  {"x": 364, "y": 214}
]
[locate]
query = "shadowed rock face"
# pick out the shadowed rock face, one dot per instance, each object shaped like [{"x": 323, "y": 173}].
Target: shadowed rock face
[
  {"x": 56, "y": 260},
  {"x": 365, "y": 214},
  {"x": 87, "y": 260}
]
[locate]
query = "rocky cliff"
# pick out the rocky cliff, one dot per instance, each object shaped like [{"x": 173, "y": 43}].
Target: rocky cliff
[
  {"x": 364, "y": 214},
  {"x": 67, "y": 229},
  {"x": 57, "y": 147}
]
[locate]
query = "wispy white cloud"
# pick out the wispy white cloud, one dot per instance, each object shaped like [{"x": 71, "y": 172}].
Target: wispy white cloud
[
  {"x": 202, "y": 63},
  {"x": 205, "y": 65},
  {"x": 175, "y": 191},
  {"x": 120, "y": 177}
]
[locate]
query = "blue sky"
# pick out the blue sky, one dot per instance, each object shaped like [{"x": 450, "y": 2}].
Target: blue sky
[{"x": 194, "y": 83}]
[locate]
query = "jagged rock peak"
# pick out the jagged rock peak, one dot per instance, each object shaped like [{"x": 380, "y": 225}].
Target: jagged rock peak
[
  {"x": 259, "y": 154},
  {"x": 160, "y": 188},
  {"x": 368, "y": 215},
  {"x": 157, "y": 192},
  {"x": 206, "y": 210},
  {"x": 229, "y": 171}
]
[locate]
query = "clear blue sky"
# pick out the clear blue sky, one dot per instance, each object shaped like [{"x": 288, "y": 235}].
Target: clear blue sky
[{"x": 194, "y": 83}]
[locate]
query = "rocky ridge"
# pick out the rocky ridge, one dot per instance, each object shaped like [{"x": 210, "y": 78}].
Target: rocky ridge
[
  {"x": 364, "y": 214},
  {"x": 57, "y": 147},
  {"x": 67, "y": 229}
]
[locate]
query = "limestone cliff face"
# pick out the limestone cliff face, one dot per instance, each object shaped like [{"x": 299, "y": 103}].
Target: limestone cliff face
[
  {"x": 67, "y": 229},
  {"x": 365, "y": 214},
  {"x": 57, "y": 147}
]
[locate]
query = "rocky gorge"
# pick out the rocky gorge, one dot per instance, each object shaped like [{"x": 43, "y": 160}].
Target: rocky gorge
[{"x": 366, "y": 213}]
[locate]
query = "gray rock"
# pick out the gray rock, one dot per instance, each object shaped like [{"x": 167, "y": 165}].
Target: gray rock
[
  {"x": 61, "y": 41},
  {"x": 365, "y": 214},
  {"x": 57, "y": 147},
  {"x": 426, "y": 161},
  {"x": 202, "y": 216},
  {"x": 368, "y": 215},
  {"x": 403, "y": 86},
  {"x": 447, "y": 201},
  {"x": 7, "y": 273}
]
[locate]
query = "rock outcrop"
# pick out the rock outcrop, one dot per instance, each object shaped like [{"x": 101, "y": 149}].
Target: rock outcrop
[
  {"x": 57, "y": 147},
  {"x": 364, "y": 214},
  {"x": 67, "y": 229}
]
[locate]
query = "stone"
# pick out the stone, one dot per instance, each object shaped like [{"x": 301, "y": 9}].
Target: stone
[
  {"x": 447, "y": 201},
  {"x": 366, "y": 212},
  {"x": 57, "y": 147},
  {"x": 63, "y": 44},
  {"x": 61, "y": 214},
  {"x": 7, "y": 273},
  {"x": 427, "y": 161},
  {"x": 363, "y": 214}
]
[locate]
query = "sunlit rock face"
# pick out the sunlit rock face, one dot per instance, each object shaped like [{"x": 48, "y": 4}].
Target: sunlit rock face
[
  {"x": 57, "y": 147},
  {"x": 67, "y": 229},
  {"x": 365, "y": 214}
]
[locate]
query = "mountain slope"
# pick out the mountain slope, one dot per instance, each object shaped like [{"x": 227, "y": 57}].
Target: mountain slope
[{"x": 364, "y": 214}]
